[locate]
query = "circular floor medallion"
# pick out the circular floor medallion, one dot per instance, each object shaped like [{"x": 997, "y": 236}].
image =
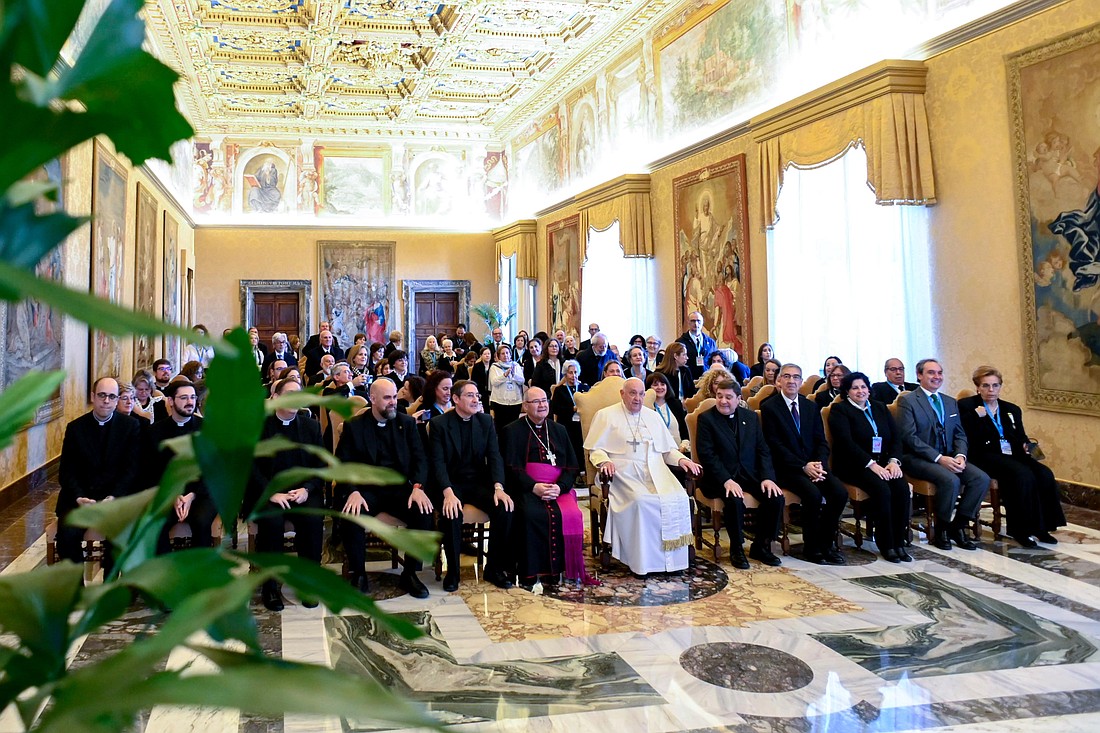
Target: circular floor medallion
[{"x": 746, "y": 667}]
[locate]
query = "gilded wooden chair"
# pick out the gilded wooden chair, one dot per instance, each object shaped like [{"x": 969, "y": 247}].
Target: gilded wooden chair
[
  {"x": 604, "y": 394},
  {"x": 856, "y": 495}
]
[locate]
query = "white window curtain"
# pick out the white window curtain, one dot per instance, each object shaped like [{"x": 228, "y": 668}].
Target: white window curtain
[
  {"x": 617, "y": 291},
  {"x": 525, "y": 305},
  {"x": 847, "y": 277},
  {"x": 507, "y": 295}
]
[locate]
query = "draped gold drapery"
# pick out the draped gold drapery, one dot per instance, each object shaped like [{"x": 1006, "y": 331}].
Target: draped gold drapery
[
  {"x": 625, "y": 200},
  {"x": 519, "y": 238},
  {"x": 881, "y": 107}
]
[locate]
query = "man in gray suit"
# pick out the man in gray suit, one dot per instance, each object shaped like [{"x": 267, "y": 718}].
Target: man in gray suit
[{"x": 934, "y": 449}]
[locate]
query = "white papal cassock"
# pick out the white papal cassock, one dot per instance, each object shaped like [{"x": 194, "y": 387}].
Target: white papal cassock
[{"x": 649, "y": 516}]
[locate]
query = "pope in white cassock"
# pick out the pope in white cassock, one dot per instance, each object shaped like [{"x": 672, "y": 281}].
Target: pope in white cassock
[{"x": 649, "y": 517}]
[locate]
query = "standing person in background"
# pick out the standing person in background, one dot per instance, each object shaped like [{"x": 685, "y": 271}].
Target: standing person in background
[
  {"x": 506, "y": 382},
  {"x": 698, "y": 345}
]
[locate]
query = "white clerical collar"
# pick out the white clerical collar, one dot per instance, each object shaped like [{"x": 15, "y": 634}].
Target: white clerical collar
[
  {"x": 287, "y": 422},
  {"x": 181, "y": 424},
  {"x": 103, "y": 422}
]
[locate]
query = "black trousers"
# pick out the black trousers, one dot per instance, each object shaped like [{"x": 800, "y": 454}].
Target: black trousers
[
  {"x": 500, "y": 526},
  {"x": 394, "y": 503},
  {"x": 888, "y": 506},
  {"x": 1029, "y": 493},
  {"x": 308, "y": 529},
  {"x": 768, "y": 514},
  {"x": 822, "y": 504},
  {"x": 70, "y": 546},
  {"x": 504, "y": 415},
  {"x": 200, "y": 519}
]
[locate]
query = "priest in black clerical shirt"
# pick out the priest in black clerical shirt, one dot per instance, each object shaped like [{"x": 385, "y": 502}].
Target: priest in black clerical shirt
[
  {"x": 540, "y": 467},
  {"x": 466, "y": 468},
  {"x": 301, "y": 428},
  {"x": 99, "y": 462},
  {"x": 194, "y": 505},
  {"x": 386, "y": 438}
]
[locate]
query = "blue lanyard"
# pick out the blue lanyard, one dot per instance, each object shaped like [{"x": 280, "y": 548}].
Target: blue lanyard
[
  {"x": 870, "y": 419},
  {"x": 996, "y": 418}
]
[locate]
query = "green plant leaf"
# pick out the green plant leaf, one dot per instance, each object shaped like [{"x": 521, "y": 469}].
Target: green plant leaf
[
  {"x": 36, "y": 30},
  {"x": 278, "y": 443},
  {"x": 27, "y": 192},
  {"x": 103, "y": 603},
  {"x": 20, "y": 401},
  {"x": 296, "y": 400},
  {"x": 26, "y": 237},
  {"x": 139, "y": 543},
  {"x": 37, "y": 607},
  {"x": 313, "y": 582},
  {"x": 351, "y": 473},
  {"x": 111, "y": 518},
  {"x": 17, "y": 283},
  {"x": 231, "y": 426}
]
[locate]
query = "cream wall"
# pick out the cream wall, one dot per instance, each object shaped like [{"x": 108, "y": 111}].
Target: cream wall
[
  {"x": 228, "y": 255},
  {"x": 37, "y": 445}
]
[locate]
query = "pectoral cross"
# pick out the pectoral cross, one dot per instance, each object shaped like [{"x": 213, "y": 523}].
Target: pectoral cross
[
  {"x": 634, "y": 444},
  {"x": 552, "y": 458}
]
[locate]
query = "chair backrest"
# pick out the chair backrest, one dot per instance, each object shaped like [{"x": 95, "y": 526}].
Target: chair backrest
[
  {"x": 604, "y": 394},
  {"x": 650, "y": 399},
  {"x": 893, "y": 407},
  {"x": 337, "y": 422},
  {"x": 691, "y": 404},
  {"x": 693, "y": 424},
  {"x": 963, "y": 393},
  {"x": 765, "y": 391},
  {"x": 822, "y": 385},
  {"x": 359, "y": 401},
  {"x": 828, "y": 433},
  {"x": 808, "y": 386}
]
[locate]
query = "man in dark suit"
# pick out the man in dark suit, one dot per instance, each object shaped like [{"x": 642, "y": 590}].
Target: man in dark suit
[
  {"x": 467, "y": 468},
  {"x": 388, "y": 439},
  {"x": 326, "y": 344},
  {"x": 99, "y": 462},
  {"x": 594, "y": 359},
  {"x": 736, "y": 461},
  {"x": 280, "y": 351},
  {"x": 796, "y": 436},
  {"x": 934, "y": 449},
  {"x": 888, "y": 391},
  {"x": 593, "y": 329},
  {"x": 315, "y": 339},
  {"x": 193, "y": 506},
  {"x": 698, "y": 344}
]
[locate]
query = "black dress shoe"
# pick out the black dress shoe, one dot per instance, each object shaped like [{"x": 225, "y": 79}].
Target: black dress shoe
[
  {"x": 499, "y": 579},
  {"x": 1046, "y": 538},
  {"x": 450, "y": 582},
  {"x": 903, "y": 555},
  {"x": 272, "y": 598},
  {"x": 890, "y": 556},
  {"x": 815, "y": 557},
  {"x": 959, "y": 538},
  {"x": 411, "y": 584},
  {"x": 1025, "y": 542},
  {"x": 833, "y": 557},
  {"x": 738, "y": 559},
  {"x": 942, "y": 541},
  {"x": 764, "y": 555}
]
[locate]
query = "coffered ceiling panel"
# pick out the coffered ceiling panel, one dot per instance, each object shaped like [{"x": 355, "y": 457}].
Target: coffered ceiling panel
[{"x": 376, "y": 67}]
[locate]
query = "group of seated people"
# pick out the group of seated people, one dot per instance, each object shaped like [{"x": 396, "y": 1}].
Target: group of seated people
[{"x": 518, "y": 461}]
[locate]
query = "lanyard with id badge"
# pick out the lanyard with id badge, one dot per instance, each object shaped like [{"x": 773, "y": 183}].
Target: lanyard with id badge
[
  {"x": 876, "y": 441},
  {"x": 1006, "y": 447}
]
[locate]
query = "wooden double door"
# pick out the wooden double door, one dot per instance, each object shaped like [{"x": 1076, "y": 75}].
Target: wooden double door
[
  {"x": 274, "y": 312},
  {"x": 435, "y": 313}
]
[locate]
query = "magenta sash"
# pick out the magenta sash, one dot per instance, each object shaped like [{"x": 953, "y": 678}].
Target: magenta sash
[{"x": 572, "y": 523}]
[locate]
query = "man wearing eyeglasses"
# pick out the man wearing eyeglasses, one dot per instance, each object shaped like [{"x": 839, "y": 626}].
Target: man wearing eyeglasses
[
  {"x": 99, "y": 461},
  {"x": 888, "y": 391},
  {"x": 162, "y": 373},
  {"x": 698, "y": 345},
  {"x": 193, "y": 506}
]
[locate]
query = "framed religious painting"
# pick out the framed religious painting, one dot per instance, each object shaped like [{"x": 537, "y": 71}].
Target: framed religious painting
[
  {"x": 563, "y": 253},
  {"x": 1053, "y": 90},
  {"x": 31, "y": 331},
  {"x": 357, "y": 289},
  {"x": 145, "y": 270},
  {"x": 170, "y": 288},
  {"x": 710, "y": 217},
  {"x": 108, "y": 245}
]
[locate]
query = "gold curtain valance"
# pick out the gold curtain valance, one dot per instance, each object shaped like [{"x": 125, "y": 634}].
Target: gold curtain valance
[
  {"x": 519, "y": 238},
  {"x": 881, "y": 107},
  {"x": 625, "y": 200}
]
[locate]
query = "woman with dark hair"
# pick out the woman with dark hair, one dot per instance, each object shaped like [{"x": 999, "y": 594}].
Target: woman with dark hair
[
  {"x": 668, "y": 406},
  {"x": 531, "y": 359},
  {"x": 479, "y": 373},
  {"x": 519, "y": 344},
  {"x": 437, "y": 394},
  {"x": 548, "y": 370},
  {"x": 377, "y": 355},
  {"x": 505, "y": 388},
  {"x": 836, "y": 376},
  {"x": 866, "y": 449},
  {"x": 718, "y": 358},
  {"x": 462, "y": 370},
  {"x": 765, "y": 352},
  {"x": 635, "y": 363},
  {"x": 563, "y": 405},
  {"x": 410, "y": 392},
  {"x": 1000, "y": 447},
  {"x": 193, "y": 370},
  {"x": 635, "y": 340},
  {"x": 815, "y": 381},
  {"x": 195, "y": 352},
  {"x": 674, "y": 367}
]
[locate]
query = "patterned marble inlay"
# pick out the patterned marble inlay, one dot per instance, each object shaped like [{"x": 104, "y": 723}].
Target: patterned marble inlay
[
  {"x": 622, "y": 588},
  {"x": 426, "y": 671},
  {"x": 966, "y": 632},
  {"x": 746, "y": 667}
]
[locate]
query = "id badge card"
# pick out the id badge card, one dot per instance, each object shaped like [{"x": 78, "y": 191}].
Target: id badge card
[
  {"x": 1005, "y": 447},
  {"x": 699, "y": 360},
  {"x": 576, "y": 417},
  {"x": 876, "y": 444}
]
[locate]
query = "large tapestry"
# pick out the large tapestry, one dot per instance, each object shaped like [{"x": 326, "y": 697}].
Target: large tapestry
[
  {"x": 31, "y": 331},
  {"x": 712, "y": 250},
  {"x": 145, "y": 271},
  {"x": 1054, "y": 91},
  {"x": 563, "y": 251},
  {"x": 108, "y": 244},
  {"x": 170, "y": 293},
  {"x": 357, "y": 289}
]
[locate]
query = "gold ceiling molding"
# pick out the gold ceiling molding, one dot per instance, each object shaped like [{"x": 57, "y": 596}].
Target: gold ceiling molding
[
  {"x": 519, "y": 238},
  {"x": 880, "y": 107}
]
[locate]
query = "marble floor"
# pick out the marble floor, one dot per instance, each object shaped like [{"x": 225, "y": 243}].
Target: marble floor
[{"x": 1000, "y": 639}]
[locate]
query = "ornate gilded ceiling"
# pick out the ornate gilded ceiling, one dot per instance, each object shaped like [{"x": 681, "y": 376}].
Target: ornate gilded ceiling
[{"x": 381, "y": 67}]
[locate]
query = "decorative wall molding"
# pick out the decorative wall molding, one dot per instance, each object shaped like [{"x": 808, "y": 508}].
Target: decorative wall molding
[
  {"x": 409, "y": 289},
  {"x": 304, "y": 288}
]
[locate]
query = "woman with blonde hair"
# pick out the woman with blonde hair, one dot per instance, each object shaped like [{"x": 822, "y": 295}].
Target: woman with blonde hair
[{"x": 429, "y": 355}]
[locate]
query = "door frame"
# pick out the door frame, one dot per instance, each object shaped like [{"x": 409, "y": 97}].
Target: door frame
[
  {"x": 410, "y": 288},
  {"x": 304, "y": 289}
]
